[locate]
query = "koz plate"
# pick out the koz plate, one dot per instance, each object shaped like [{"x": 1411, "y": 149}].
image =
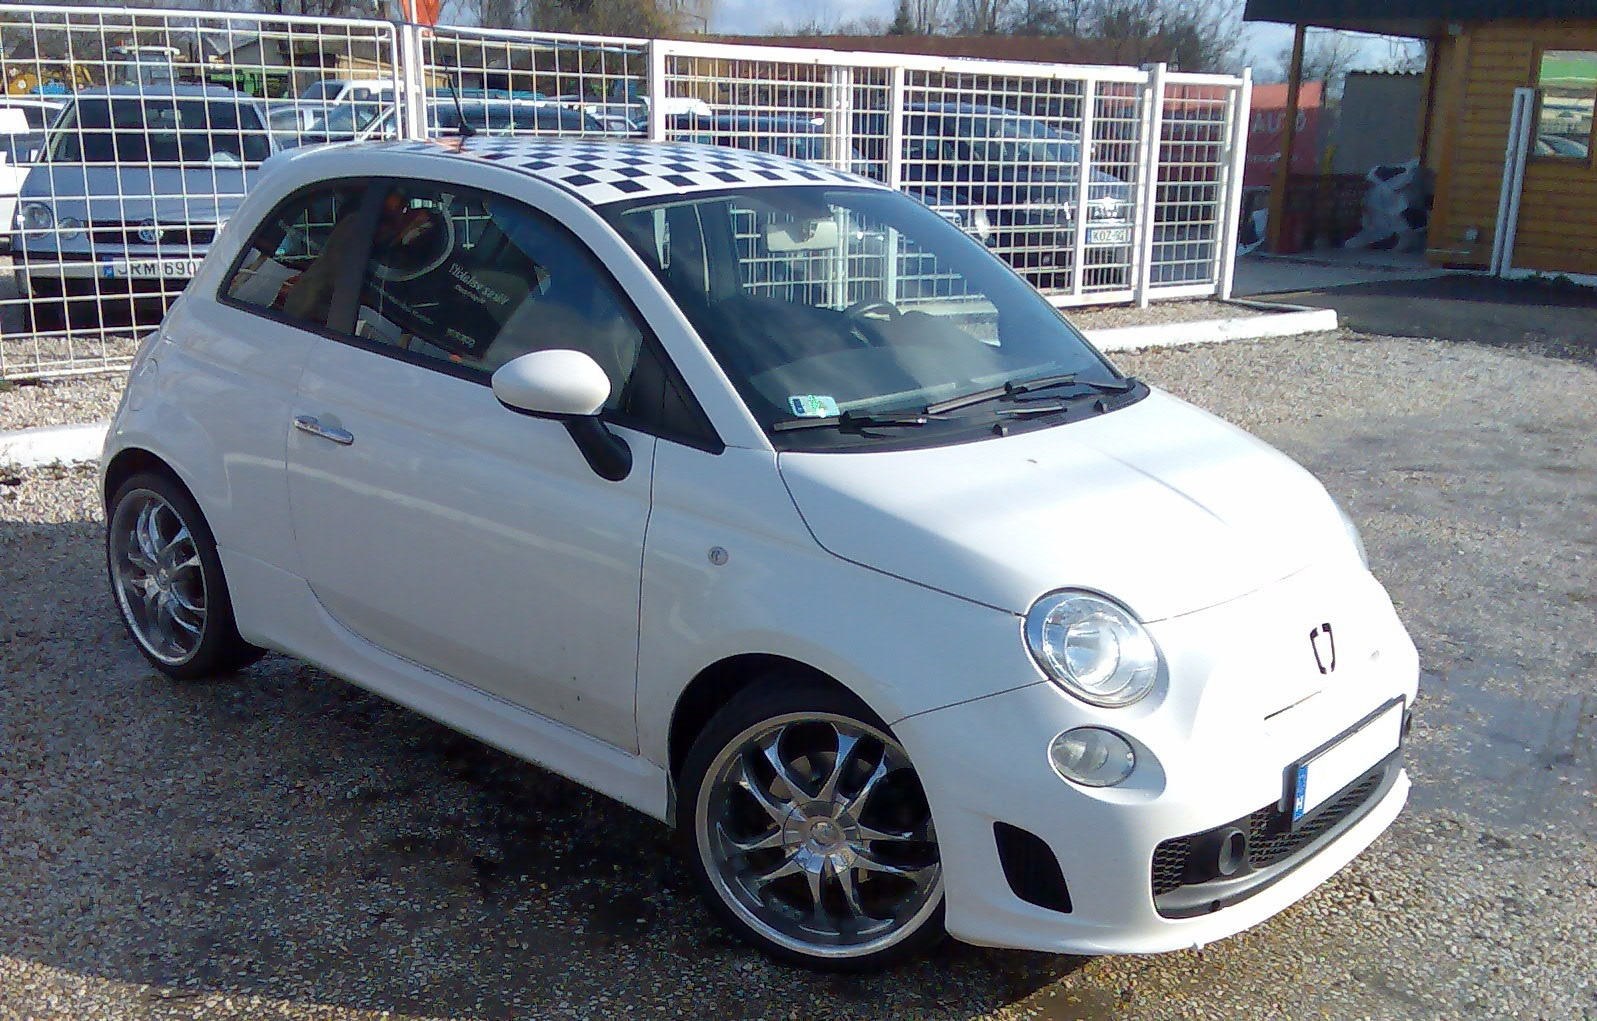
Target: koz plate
[
  {"x": 153, "y": 269},
  {"x": 1325, "y": 773},
  {"x": 1108, "y": 235}
]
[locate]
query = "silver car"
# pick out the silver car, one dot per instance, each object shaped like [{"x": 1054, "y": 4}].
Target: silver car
[{"x": 131, "y": 188}]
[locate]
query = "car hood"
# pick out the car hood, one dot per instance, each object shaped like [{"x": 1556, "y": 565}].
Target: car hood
[
  {"x": 101, "y": 193},
  {"x": 1160, "y": 505}
]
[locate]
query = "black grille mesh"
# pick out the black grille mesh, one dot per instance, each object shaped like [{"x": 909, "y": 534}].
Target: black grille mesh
[{"x": 1271, "y": 838}]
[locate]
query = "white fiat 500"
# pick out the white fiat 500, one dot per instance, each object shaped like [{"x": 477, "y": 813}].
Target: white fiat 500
[{"x": 765, "y": 500}]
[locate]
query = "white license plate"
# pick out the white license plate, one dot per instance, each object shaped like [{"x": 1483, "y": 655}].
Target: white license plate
[
  {"x": 153, "y": 269},
  {"x": 1108, "y": 235},
  {"x": 1328, "y": 771}
]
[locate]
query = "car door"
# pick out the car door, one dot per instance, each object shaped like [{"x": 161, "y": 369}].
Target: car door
[{"x": 441, "y": 526}]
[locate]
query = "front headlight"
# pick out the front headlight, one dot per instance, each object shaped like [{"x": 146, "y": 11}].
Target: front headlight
[
  {"x": 1353, "y": 536},
  {"x": 1093, "y": 648},
  {"x": 35, "y": 216},
  {"x": 68, "y": 228}
]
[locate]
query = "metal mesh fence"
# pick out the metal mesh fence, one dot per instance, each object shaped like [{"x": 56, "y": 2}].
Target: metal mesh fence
[
  {"x": 153, "y": 124},
  {"x": 134, "y": 134},
  {"x": 519, "y": 83},
  {"x": 1194, "y": 161}
]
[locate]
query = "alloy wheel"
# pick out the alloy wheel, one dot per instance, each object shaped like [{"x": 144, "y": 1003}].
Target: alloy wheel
[
  {"x": 815, "y": 831},
  {"x": 158, "y": 577}
]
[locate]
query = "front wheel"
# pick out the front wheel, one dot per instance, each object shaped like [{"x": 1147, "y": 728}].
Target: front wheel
[
  {"x": 167, "y": 579},
  {"x": 812, "y": 837}
]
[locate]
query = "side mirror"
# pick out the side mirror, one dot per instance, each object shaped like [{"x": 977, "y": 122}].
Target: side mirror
[
  {"x": 553, "y": 384},
  {"x": 569, "y": 387}
]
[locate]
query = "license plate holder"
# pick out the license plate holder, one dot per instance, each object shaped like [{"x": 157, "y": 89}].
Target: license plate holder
[
  {"x": 153, "y": 269},
  {"x": 1104, "y": 236},
  {"x": 1328, "y": 770}
]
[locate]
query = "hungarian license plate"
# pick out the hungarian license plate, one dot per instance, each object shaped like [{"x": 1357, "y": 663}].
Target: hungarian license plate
[
  {"x": 1328, "y": 771},
  {"x": 1108, "y": 235},
  {"x": 153, "y": 269}
]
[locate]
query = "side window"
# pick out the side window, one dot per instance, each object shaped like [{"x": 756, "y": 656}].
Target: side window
[
  {"x": 292, "y": 262},
  {"x": 1567, "y": 87},
  {"x": 474, "y": 280}
]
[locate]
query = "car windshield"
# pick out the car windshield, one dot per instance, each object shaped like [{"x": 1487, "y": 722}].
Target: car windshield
[
  {"x": 1015, "y": 140},
  {"x": 160, "y": 130},
  {"x": 345, "y": 118},
  {"x": 839, "y": 305}
]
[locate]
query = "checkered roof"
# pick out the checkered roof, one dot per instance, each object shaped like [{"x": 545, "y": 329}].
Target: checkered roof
[{"x": 604, "y": 171}]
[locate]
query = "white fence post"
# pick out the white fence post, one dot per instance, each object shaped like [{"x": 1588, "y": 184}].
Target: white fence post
[
  {"x": 840, "y": 117},
  {"x": 1078, "y": 259},
  {"x": 895, "y": 129},
  {"x": 657, "y": 55},
  {"x": 1515, "y": 152},
  {"x": 1148, "y": 197},
  {"x": 1231, "y": 196},
  {"x": 410, "y": 77}
]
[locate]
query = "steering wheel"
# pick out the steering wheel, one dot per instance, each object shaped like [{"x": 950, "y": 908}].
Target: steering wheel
[{"x": 873, "y": 308}]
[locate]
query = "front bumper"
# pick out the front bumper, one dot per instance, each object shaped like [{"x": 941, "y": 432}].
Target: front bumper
[{"x": 1213, "y": 745}]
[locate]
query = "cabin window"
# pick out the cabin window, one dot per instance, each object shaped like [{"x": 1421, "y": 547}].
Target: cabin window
[{"x": 1567, "y": 87}]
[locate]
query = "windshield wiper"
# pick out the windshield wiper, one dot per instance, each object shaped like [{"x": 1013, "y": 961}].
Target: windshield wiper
[
  {"x": 1111, "y": 401},
  {"x": 848, "y": 421},
  {"x": 1012, "y": 390}
]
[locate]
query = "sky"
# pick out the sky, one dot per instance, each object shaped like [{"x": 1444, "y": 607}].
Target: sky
[{"x": 752, "y": 17}]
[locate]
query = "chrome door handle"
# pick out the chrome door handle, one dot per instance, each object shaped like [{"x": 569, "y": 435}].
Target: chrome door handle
[{"x": 308, "y": 424}]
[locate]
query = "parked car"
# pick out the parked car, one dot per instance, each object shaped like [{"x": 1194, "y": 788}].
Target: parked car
[
  {"x": 913, "y": 616},
  {"x": 491, "y": 117},
  {"x": 38, "y": 110},
  {"x": 350, "y": 90},
  {"x": 329, "y": 122},
  {"x": 1017, "y": 177},
  {"x": 19, "y": 147},
  {"x": 132, "y": 185}
]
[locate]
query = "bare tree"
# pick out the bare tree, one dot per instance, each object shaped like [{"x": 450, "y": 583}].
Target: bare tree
[
  {"x": 1046, "y": 17},
  {"x": 596, "y": 17},
  {"x": 979, "y": 17},
  {"x": 1327, "y": 57},
  {"x": 928, "y": 17},
  {"x": 1194, "y": 35}
]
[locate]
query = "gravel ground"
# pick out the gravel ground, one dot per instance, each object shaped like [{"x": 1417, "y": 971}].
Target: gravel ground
[
  {"x": 1108, "y": 317},
  {"x": 59, "y": 402},
  {"x": 282, "y": 845}
]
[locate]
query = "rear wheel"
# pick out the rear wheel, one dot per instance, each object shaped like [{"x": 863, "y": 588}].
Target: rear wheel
[
  {"x": 812, "y": 838},
  {"x": 167, "y": 579}
]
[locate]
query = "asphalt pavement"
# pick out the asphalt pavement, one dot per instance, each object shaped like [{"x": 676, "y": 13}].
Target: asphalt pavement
[{"x": 1553, "y": 319}]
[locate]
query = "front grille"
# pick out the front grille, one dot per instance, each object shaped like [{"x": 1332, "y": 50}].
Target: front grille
[
  {"x": 1271, "y": 839},
  {"x": 113, "y": 233}
]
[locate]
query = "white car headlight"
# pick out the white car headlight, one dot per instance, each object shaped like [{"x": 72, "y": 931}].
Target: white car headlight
[
  {"x": 35, "y": 216},
  {"x": 1093, "y": 648},
  {"x": 68, "y": 228},
  {"x": 1353, "y": 536}
]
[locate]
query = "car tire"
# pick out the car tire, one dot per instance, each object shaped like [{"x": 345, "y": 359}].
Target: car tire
[
  {"x": 809, "y": 833},
  {"x": 166, "y": 578}
]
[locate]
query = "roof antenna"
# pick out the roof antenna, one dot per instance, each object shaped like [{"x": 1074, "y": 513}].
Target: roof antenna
[{"x": 462, "y": 129}]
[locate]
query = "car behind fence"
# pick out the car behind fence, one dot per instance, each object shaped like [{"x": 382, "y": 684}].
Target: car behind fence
[{"x": 1098, "y": 184}]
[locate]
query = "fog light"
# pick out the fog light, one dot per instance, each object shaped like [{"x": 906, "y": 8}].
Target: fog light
[{"x": 1092, "y": 757}]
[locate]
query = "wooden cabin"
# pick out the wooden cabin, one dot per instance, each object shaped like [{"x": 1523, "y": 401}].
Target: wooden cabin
[{"x": 1479, "y": 53}]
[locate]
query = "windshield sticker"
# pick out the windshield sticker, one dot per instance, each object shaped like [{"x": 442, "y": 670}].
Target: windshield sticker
[{"x": 812, "y": 406}]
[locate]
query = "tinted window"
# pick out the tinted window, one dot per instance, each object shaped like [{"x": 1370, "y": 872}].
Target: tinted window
[
  {"x": 161, "y": 130},
  {"x": 292, "y": 262},
  {"x": 475, "y": 280}
]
